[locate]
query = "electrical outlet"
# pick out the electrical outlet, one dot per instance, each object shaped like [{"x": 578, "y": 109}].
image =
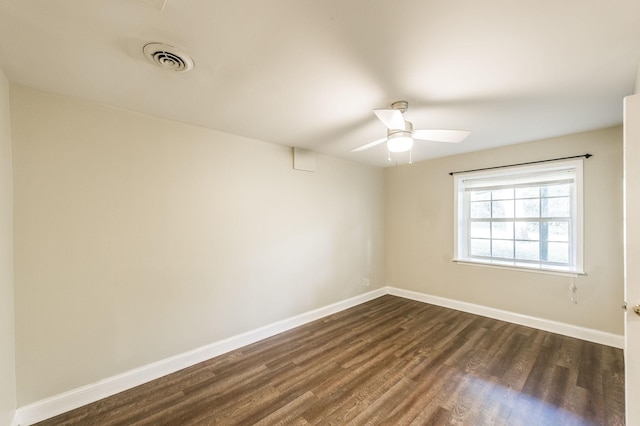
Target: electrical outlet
[{"x": 365, "y": 282}]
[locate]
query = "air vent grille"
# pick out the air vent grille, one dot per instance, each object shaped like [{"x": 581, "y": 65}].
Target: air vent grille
[{"x": 168, "y": 57}]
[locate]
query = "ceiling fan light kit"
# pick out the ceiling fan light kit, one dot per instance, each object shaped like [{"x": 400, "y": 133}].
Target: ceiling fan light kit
[
  {"x": 400, "y": 140},
  {"x": 399, "y": 143}
]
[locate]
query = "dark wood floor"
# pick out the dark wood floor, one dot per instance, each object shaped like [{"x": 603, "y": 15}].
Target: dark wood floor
[{"x": 390, "y": 361}]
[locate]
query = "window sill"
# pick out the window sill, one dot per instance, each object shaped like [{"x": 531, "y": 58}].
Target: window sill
[{"x": 501, "y": 265}]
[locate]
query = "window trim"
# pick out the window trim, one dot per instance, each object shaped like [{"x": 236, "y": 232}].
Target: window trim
[{"x": 577, "y": 229}]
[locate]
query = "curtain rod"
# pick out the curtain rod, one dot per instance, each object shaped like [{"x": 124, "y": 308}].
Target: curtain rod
[{"x": 521, "y": 164}]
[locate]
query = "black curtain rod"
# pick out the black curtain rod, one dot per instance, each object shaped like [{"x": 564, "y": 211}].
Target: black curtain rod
[{"x": 521, "y": 164}]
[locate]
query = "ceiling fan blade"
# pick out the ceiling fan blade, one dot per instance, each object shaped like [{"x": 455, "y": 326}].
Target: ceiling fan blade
[
  {"x": 369, "y": 145},
  {"x": 435, "y": 135},
  {"x": 392, "y": 118}
]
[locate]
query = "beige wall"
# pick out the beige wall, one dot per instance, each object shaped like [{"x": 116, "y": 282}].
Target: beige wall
[
  {"x": 7, "y": 346},
  {"x": 139, "y": 238},
  {"x": 419, "y": 235}
]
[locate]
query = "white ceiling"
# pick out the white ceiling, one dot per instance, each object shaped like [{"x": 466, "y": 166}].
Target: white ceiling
[{"x": 307, "y": 73}]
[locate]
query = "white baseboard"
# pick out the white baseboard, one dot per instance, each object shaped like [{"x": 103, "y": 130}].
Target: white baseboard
[
  {"x": 596, "y": 336},
  {"x": 75, "y": 398},
  {"x": 58, "y": 404}
]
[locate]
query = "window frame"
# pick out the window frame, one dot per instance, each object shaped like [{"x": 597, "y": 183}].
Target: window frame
[{"x": 462, "y": 221}]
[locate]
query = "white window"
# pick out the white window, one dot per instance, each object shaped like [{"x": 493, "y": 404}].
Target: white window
[{"x": 522, "y": 217}]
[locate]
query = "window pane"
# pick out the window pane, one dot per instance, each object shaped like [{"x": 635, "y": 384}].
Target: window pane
[
  {"x": 527, "y": 250},
  {"x": 556, "y": 190},
  {"x": 480, "y": 209},
  {"x": 558, "y": 231},
  {"x": 521, "y": 217},
  {"x": 480, "y": 195},
  {"x": 528, "y": 208},
  {"x": 503, "y": 248},
  {"x": 502, "y": 194},
  {"x": 528, "y": 192},
  {"x": 502, "y": 230},
  {"x": 558, "y": 252},
  {"x": 556, "y": 207},
  {"x": 503, "y": 209},
  {"x": 480, "y": 230},
  {"x": 479, "y": 247},
  {"x": 528, "y": 231}
]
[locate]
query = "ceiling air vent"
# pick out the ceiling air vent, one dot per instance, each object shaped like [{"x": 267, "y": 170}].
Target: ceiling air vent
[{"x": 168, "y": 57}]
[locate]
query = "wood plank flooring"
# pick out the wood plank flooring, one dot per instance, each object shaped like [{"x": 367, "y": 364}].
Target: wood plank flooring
[{"x": 390, "y": 361}]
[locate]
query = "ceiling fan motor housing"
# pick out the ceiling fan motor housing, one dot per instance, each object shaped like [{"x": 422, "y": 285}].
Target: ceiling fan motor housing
[{"x": 408, "y": 129}]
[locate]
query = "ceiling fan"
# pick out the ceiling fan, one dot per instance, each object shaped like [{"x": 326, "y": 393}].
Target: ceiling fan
[{"x": 400, "y": 133}]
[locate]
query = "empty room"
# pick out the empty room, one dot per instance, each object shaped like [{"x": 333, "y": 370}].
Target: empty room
[{"x": 275, "y": 212}]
